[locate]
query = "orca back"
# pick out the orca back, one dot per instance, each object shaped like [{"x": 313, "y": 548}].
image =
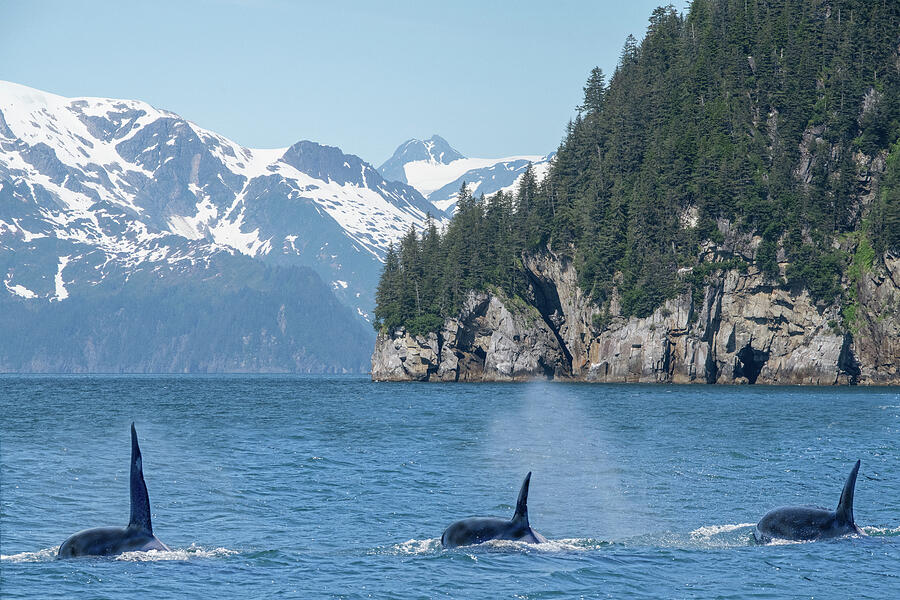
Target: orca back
[
  {"x": 108, "y": 541},
  {"x": 481, "y": 529},
  {"x": 806, "y": 523}
]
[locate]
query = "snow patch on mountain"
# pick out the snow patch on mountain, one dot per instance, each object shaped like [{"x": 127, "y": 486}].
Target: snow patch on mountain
[
  {"x": 18, "y": 290},
  {"x": 427, "y": 176}
]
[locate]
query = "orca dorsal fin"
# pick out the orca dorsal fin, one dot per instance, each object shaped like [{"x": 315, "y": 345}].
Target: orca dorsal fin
[
  {"x": 140, "y": 501},
  {"x": 522, "y": 502},
  {"x": 844, "y": 510}
]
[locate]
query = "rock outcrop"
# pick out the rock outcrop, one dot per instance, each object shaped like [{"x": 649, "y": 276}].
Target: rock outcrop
[
  {"x": 745, "y": 330},
  {"x": 876, "y": 345},
  {"x": 493, "y": 339}
]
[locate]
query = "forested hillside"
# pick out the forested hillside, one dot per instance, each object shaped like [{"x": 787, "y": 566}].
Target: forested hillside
[{"x": 777, "y": 119}]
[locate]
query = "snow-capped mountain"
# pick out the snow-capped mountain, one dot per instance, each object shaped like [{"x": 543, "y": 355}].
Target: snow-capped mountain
[
  {"x": 437, "y": 170},
  {"x": 435, "y": 151},
  {"x": 95, "y": 193},
  {"x": 141, "y": 184}
]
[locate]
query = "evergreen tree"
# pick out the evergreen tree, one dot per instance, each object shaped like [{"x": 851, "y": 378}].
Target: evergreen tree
[
  {"x": 388, "y": 311},
  {"x": 594, "y": 90}
]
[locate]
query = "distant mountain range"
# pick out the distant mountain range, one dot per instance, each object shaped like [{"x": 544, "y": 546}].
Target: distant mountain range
[
  {"x": 437, "y": 170},
  {"x": 104, "y": 199},
  {"x": 132, "y": 239}
]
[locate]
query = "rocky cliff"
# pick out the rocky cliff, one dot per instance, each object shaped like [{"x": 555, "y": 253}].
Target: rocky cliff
[
  {"x": 761, "y": 186},
  {"x": 740, "y": 328},
  {"x": 492, "y": 339}
]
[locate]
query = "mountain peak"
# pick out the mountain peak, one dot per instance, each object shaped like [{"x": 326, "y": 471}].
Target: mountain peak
[
  {"x": 435, "y": 150},
  {"x": 16, "y": 93},
  {"x": 437, "y": 170}
]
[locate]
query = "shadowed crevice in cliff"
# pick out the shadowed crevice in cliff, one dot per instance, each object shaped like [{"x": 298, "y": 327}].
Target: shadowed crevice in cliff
[
  {"x": 751, "y": 363},
  {"x": 471, "y": 364},
  {"x": 546, "y": 300},
  {"x": 549, "y": 370},
  {"x": 714, "y": 322},
  {"x": 847, "y": 362},
  {"x": 470, "y": 356}
]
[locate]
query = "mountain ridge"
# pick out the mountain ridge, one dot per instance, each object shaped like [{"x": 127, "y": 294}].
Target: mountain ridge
[
  {"x": 168, "y": 176},
  {"x": 102, "y": 201}
]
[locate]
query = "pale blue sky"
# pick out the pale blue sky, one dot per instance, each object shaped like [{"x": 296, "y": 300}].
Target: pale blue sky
[{"x": 493, "y": 78}]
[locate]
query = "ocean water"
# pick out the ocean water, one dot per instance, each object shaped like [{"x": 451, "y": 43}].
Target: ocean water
[{"x": 295, "y": 487}]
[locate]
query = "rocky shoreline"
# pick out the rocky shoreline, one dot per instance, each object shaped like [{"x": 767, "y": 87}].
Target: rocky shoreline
[{"x": 745, "y": 330}]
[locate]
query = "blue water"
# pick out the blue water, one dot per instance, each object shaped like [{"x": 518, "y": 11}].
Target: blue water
[{"x": 340, "y": 488}]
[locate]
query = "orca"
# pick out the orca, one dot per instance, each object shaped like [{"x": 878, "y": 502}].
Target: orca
[
  {"x": 808, "y": 523},
  {"x": 109, "y": 541},
  {"x": 481, "y": 529}
]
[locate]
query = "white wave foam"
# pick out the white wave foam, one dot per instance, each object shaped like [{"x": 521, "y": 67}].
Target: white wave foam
[
  {"x": 191, "y": 552},
  {"x": 784, "y": 542},
  {"x": 871, "y": 530},
  {"x": 708, "y": 531},
  {"x": 867, "y": 530},
  {"x": 561, "y": 545},
  {"x": 433, "y": 545},
  {"x": 414, "y": 547},
  {"x": 39, "y": 556}
]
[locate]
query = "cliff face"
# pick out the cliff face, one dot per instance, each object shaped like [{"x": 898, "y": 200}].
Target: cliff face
[
  {"x": 745, "y": 330},
  {"x": 493, "y": 339},
  {"x": 774, "y": 203},
  {"x": 876, "y": 345}
]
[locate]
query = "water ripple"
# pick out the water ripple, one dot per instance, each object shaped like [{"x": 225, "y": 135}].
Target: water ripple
[{"x": 294, "y": 487}]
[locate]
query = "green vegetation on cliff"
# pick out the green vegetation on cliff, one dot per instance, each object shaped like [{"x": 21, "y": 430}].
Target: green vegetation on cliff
[
  {"x": 772, "y": 115},
  {"x": 428, "y": 276}
]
